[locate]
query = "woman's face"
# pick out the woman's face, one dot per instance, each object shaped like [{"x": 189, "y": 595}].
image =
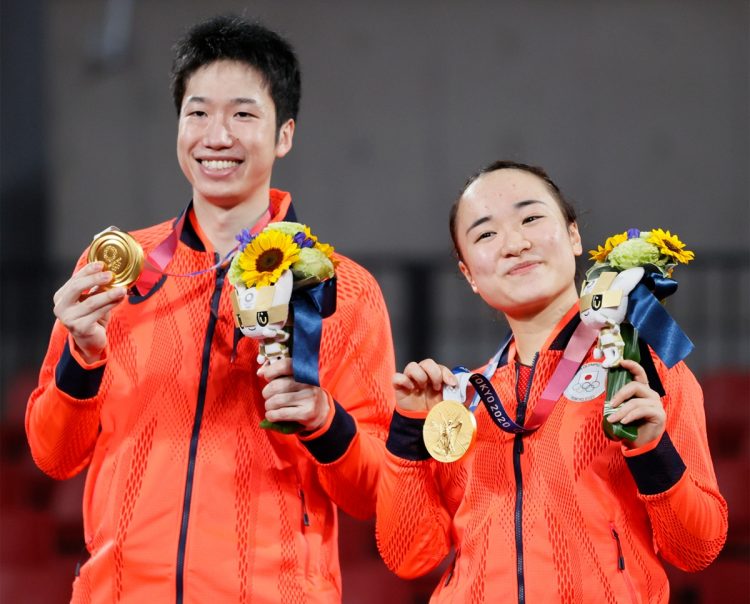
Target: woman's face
[{"x": 517, "y": 250}]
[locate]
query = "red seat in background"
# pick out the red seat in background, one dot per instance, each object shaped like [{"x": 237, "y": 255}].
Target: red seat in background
[{"x": 727, "y": 405}]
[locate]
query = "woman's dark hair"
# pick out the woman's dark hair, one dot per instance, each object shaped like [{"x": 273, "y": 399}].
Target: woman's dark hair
[
  {"x": 567, "y": 209},
  {"x": 232, "y": 38}
]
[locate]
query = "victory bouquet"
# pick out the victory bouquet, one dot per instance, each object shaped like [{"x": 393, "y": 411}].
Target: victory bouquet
[
  {"x": 284, "y": 285},
  {"x": 621, "y": 298}
]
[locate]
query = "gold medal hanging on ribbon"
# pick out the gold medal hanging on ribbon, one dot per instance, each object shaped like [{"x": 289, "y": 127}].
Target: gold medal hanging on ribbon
[
  {"x": 120, "y": 253},
  {"x": 450, "y": 429}
]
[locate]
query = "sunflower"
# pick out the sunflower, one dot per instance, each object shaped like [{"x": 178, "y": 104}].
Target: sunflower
[
  {"x": 600, "y": 253},
  {"x": 670, "y": 245},
  {"x": 266, "y": 257}
]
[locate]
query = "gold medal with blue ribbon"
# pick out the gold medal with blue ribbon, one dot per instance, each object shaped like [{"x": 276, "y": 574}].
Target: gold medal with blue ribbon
[{"x": 450, "y": 429}]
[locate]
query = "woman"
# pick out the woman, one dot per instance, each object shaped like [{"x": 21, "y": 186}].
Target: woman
[{"x": 559, "y": 513}]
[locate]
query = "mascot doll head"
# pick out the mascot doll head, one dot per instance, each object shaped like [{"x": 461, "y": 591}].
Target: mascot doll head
[
  {"x": 262, "y": 312},
  {"x": 604, "y": 303}
]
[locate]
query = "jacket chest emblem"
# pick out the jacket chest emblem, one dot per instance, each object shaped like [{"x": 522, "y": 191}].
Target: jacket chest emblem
[{"x": 589, "y": 383}]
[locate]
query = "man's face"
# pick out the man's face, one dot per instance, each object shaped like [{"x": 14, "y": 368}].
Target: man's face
[{"x": 226, "y": 139}]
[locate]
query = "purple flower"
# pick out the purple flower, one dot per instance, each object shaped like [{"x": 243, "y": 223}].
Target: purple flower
[
  {"x": 244, "y": 238},
  {"x": 633, "y": 233},
  {"x": 303, "y": 240}
]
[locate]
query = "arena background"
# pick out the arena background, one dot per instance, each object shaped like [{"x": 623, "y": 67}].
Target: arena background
[{"x": 638, "y": 109}]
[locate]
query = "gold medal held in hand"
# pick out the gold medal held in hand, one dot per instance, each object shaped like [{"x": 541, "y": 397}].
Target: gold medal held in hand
[
  {"x": 449, "y": 431},
  {"x": 120, "y": 253}
]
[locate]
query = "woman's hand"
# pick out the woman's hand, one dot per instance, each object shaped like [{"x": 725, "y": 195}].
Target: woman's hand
[
  {"x": 637, "y": 402},
  {"x": 420, "y": 386}
]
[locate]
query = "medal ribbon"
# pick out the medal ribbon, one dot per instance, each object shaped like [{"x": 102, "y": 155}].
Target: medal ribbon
[
  {"x": 578, "y": 346},
  {"x": 160, "y": 257}
]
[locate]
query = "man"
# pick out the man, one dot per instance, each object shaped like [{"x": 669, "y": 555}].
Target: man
[{"x": 153, "y": 390}]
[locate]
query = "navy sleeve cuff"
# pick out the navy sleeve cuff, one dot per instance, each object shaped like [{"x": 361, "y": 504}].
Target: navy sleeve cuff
[
  {"x": 334, "y": 442},
  {"x": 74, "y": 380},
  {"x": 405, "y": 438},
  {"x": 658, "y": 470}
]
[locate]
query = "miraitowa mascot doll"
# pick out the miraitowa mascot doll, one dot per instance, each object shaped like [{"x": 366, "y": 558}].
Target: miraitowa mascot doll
[
  {"x": 284, "y": 285},
  {"x": 621, "y": 299}
]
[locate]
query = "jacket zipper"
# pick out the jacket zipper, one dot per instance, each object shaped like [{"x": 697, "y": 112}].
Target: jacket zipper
[
  {"x": 202, "y": 387},
  {"x": 517, "y": 452},
  {"x": 621, "y": 564}
]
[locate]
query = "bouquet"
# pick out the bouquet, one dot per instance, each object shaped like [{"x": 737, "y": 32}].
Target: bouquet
[
  {"x": 620, "y": 296},
  {"x": 281, "y": 273}
]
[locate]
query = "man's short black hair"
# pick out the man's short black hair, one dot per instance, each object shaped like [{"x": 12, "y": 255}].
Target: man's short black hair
[{"x": 232, "y": 38}]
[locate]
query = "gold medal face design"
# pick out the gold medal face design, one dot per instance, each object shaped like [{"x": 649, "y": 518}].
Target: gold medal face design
[
  {"x": 120, "y": 253},
  {"x": 449, "y": 431}
]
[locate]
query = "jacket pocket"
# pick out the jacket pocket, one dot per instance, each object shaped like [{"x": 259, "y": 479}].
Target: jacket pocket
[
  {"x": 450, "y": 574},
  {"x": 98, "y": 509},
  {"x": 621, "y": 568},
  {"x": 305, "y": 516},
  {"x": 305, "y": 539}
]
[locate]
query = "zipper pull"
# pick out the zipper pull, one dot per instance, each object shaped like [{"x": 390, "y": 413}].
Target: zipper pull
[
  {"x": 453, "y": 567},
  {"x": 305, "y": 517},
  {"x": 235, "y": 341},
  {"x": 620, "y": 557}
]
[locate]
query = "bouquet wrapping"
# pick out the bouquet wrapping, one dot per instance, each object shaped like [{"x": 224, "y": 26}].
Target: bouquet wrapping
[
  {"x": 621, "y": 297},
  {"x": 284, "y": 285}
]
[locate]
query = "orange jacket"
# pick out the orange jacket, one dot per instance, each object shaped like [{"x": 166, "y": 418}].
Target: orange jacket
[
  {"x": 187, "y": 500},
  {"x": 561, "y": 515}
]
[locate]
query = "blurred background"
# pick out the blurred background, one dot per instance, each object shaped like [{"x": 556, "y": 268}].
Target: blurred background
[{"x": 639, "y": 110}]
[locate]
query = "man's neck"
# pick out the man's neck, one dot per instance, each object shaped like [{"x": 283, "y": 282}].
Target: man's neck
[{"x": 222, "y": 224}]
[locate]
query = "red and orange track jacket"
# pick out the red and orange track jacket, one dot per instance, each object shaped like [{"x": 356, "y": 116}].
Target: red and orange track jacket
[
  {"x": 187, "y": 500},
  {"x": 561, "y": 515}
]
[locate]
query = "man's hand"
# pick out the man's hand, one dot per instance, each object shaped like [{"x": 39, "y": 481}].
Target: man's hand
[
  {"x": 84, "y": 308},
  {"x": 290, "y": 401},
  {"x": 420, "y": 386},
  {"x": 637, "y": 402}
]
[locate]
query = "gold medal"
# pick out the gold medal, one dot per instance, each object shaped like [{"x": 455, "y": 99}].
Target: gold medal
[
  {"x": 449, "y": 431},
  {"x": 120, "y": 253}
]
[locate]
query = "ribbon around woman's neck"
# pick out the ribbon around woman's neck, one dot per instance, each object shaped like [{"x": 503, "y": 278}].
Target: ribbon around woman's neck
[
  {"x": 653, "y": 322},
  {"x": 310, "y": 305}
]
